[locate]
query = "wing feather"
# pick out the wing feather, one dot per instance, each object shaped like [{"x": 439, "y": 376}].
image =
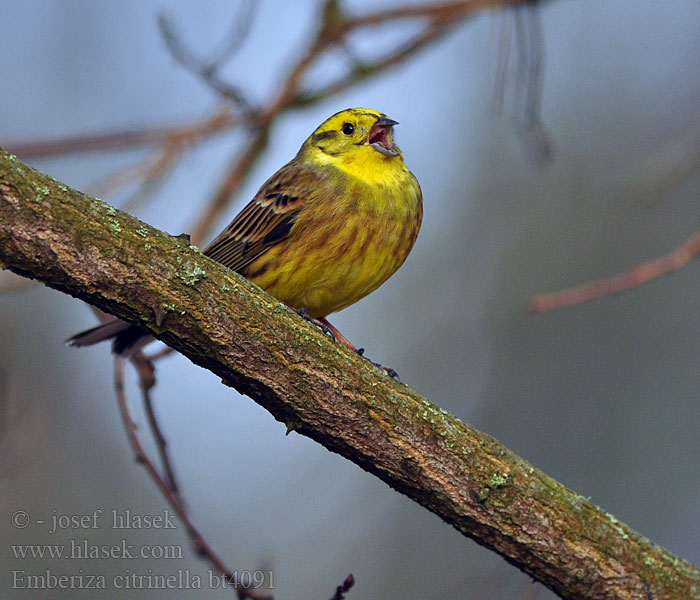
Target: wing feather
[{"x": 267, "y": 219}]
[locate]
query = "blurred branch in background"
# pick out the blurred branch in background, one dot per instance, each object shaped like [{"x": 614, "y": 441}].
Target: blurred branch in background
[
  {"x": 518, "y": 79},
  {"x": 208, "y": 68},
  {"x": 332, "y": 30},
  {"x": 82, "y": 246},
  {"x": 666, "y": 169},
  {"x": 236, "y": 110},
  {"x": 517, "y": 93},
  {"x": 169, "y": 489},
  {"x": 643, "y": 273}
]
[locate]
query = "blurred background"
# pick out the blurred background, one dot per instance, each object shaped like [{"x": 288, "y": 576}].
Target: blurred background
[{"x": 602, "y": 396}]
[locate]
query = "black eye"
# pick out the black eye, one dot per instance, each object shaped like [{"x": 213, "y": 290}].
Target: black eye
[{"x": 348, "y": 128}]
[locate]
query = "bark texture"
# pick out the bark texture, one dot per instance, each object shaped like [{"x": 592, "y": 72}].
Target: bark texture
[{"x": 84, "y": 247}]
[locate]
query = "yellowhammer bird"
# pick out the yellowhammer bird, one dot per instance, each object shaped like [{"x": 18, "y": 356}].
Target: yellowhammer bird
[{"x": 327, "y": 229}]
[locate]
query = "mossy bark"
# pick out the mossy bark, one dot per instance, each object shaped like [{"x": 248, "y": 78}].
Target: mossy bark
[{"x": 220, "y": 321}]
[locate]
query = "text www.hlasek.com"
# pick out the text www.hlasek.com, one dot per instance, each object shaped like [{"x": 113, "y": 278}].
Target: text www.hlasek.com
[{"x": 82, "y": 549}]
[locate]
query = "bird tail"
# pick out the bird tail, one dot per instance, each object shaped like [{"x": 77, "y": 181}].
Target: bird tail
[{"x": 127, "y": 338}]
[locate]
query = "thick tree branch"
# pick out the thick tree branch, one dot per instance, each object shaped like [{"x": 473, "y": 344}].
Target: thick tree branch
[{"x": 84, "y": 247}]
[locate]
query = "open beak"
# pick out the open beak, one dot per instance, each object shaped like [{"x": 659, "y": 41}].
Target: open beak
[{"x": 380, "y": 137}]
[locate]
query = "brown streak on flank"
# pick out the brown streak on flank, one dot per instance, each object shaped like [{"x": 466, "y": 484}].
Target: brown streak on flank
[
  {"x": 320, "y": 237},
  {"x": 414, "y": 236},
  {"x": 370, "y": 239},
  {"x": 349, "y": 240},
  {"x": 403, "y": 251},
  {"x": 404, "y": 245}
]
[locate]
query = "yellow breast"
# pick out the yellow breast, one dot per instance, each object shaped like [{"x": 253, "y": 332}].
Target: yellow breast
[{"x": 348, "y": 240}]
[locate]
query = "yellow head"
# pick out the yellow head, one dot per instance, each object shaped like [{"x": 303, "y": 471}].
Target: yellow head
[{"x": 357, "y": 140}]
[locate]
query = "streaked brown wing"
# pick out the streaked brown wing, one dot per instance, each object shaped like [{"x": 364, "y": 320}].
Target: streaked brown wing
[{"x": 267, "y": 218}]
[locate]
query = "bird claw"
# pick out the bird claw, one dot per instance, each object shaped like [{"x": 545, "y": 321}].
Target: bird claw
[
  {"x": 324, "y": 326},
  {"x": 327, "y": 330},
  {"x": 389, "y": 371},
  {"x": 392, "y": 373},
  {"x": 314, "y": 321}
]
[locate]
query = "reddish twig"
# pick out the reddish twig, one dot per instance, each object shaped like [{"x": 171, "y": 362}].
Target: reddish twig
[
  {"x": 163, "y": 352},
  {"x": 392, "y": 58},
  {"x": 148, "y": 173},
  {"x": 438, "y": 11},
  {"x": 198, "y": 542},
  {"x": 234, "y": 176},
  {"x": 329, "y": 35},
  {"x": 89, "y": 142},
  {"x": 147, "y": 379},
  {"x": 441, "y": 18},
  {"x": 332, "y": 30},
  {"x": 208, "y": 69},
  {"x": 344, "y": 587},
  {"x": 217, "y": 122},
  {"x": 643, "y": 273}
]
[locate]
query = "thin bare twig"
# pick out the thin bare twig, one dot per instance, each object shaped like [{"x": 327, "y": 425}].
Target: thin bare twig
[
  {"x": 521, "y": 24},
  {"x": 292, "y": 94},
  {"x": 643, "y": 273},
  {"x": 234, "y": 176},
  {"x": 163, "y": 352},
  {"x": 344, "y": 587},
  {"x": 89, "y": 142},
  {"x": 363, "y": 70},
  {"x": 149, "y": 174},
  {"x": 332, "y": 30},
  {"x": 443, "y": 11},
  {"x": 217, "y": 122},
  {"x": 240, "y": 29},
  {"x": 462, "y": 475},
  {"x": 207, "y": 70},
  {"x": 147, "y": 379},
  {"x": 198, "y": 542}
]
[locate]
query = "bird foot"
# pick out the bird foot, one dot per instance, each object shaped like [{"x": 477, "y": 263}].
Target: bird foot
[
  {"x": 389, "y": 371},
  {"x": 324, "y": 326},
  {"x": 336, "y": 336}
]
